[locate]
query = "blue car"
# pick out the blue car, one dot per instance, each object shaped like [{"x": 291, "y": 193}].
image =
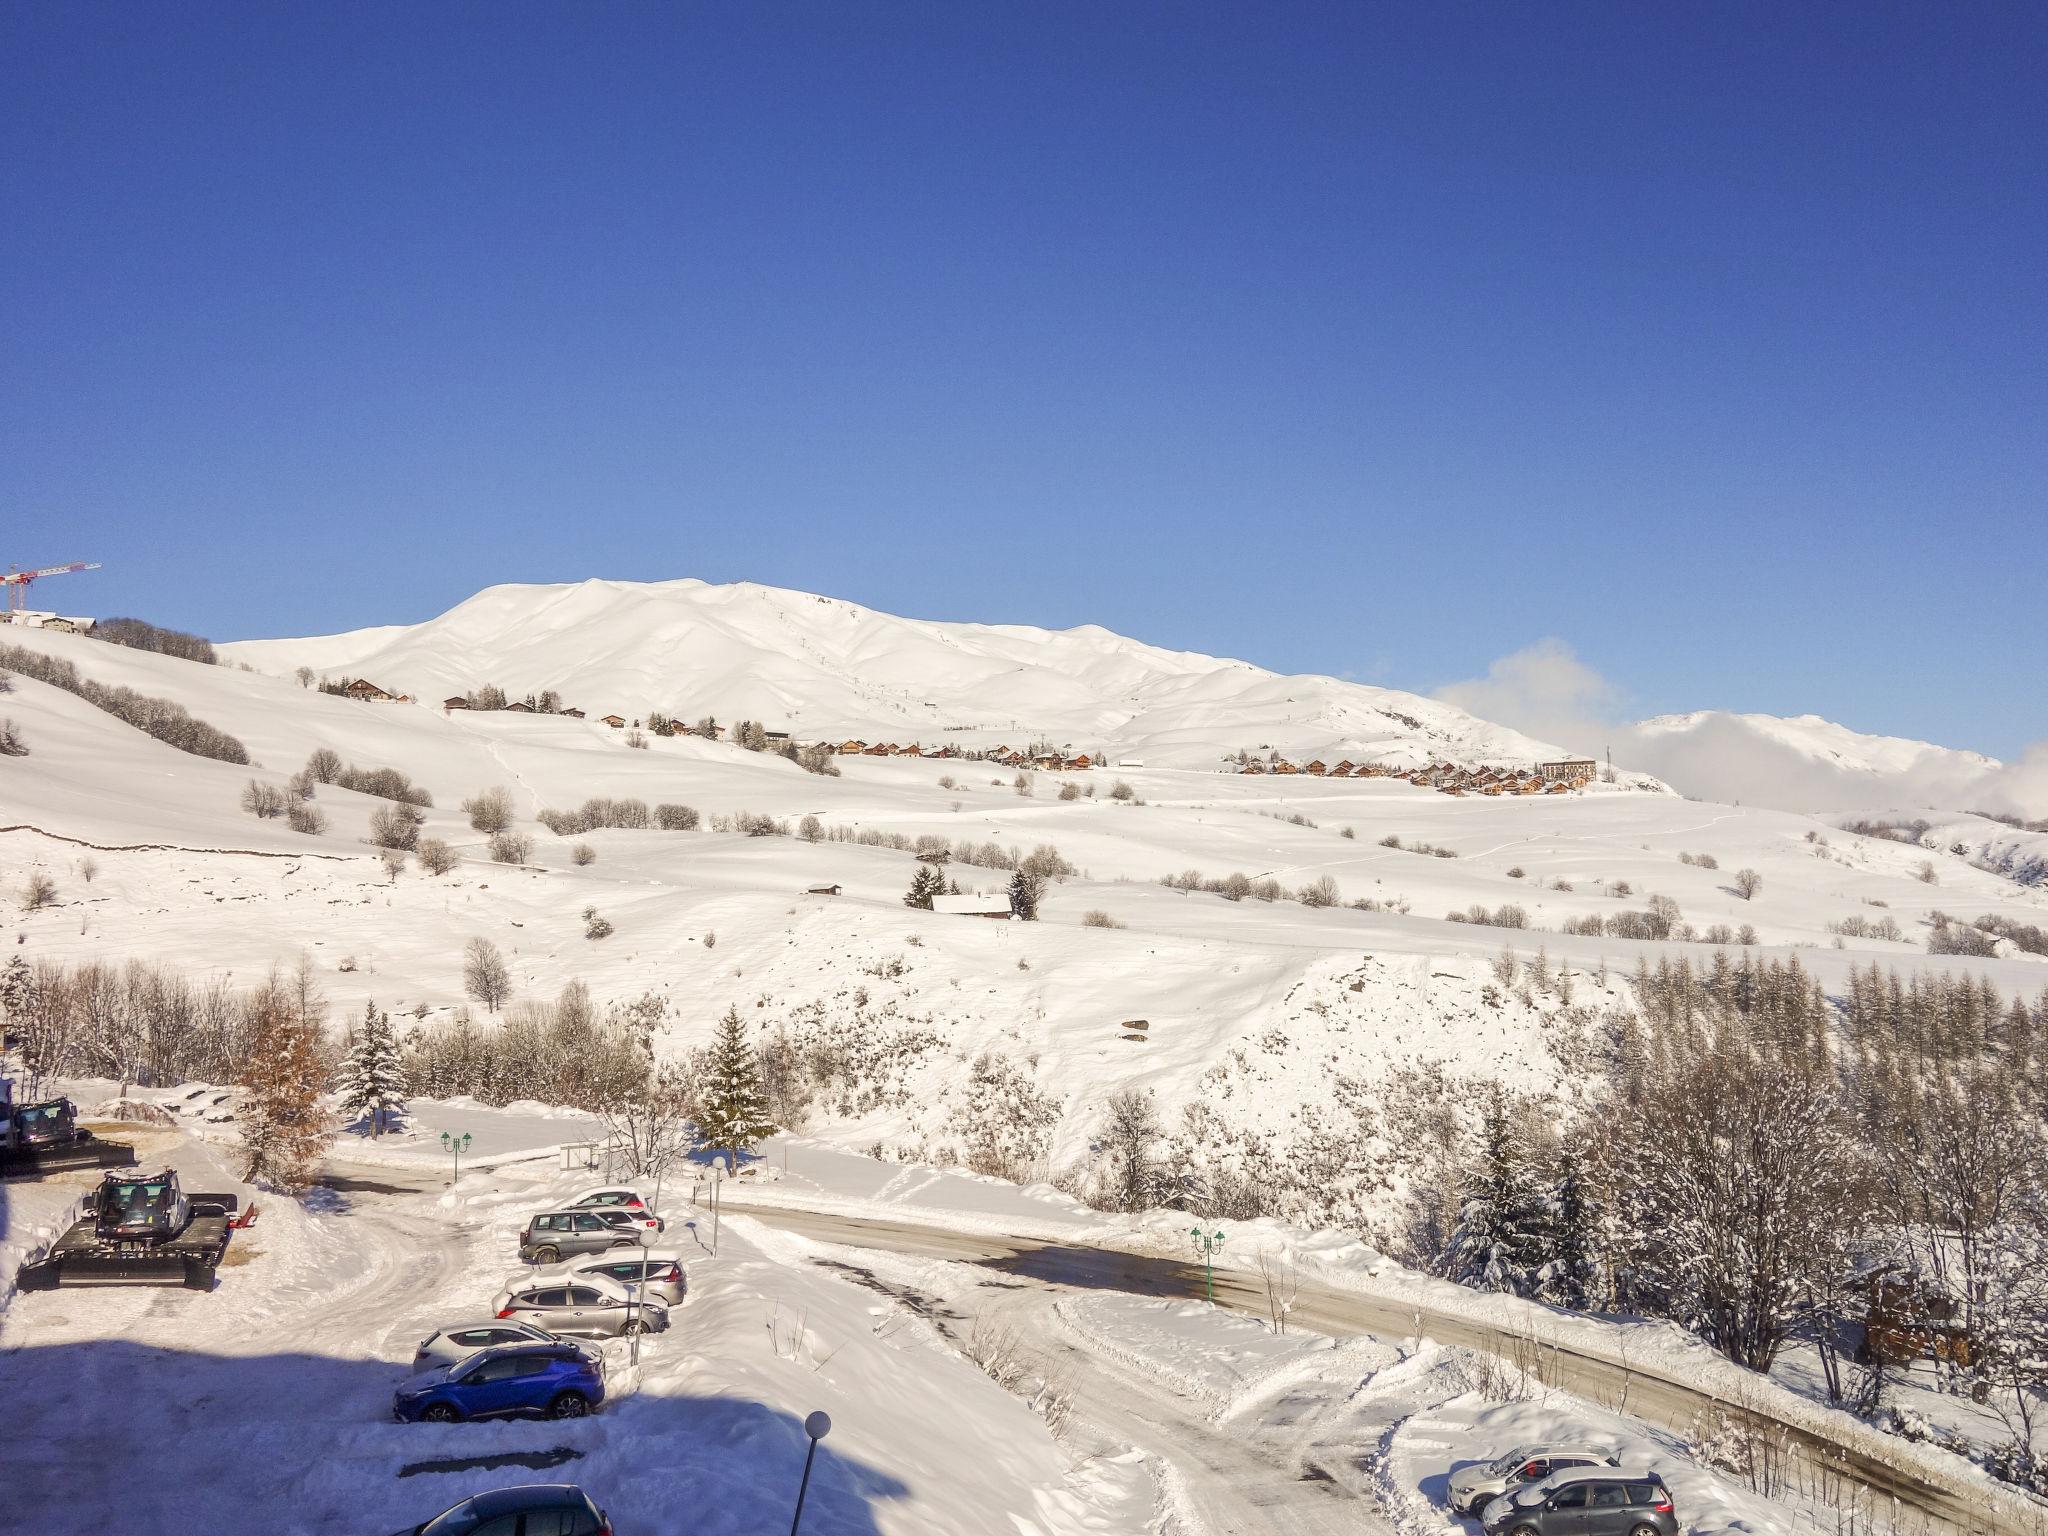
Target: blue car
[{"x": 556, "y": 1381}]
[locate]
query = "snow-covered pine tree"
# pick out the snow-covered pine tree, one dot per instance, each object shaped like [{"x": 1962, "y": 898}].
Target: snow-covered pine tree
[
  {"x": 732, "y": 1112},
  {"x": 1024, "y": 890},
  {"x": 372, "y": 1077},
  {"x": 924, "y": 885},
  {"x": 1570, "y": 1273},
  {"x": 1498, "y": 1244}
]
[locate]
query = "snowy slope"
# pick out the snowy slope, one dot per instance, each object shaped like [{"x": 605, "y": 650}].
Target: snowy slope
[
  {"x": 1806, "y": 763},
  {"x": 826, "y": 668}
]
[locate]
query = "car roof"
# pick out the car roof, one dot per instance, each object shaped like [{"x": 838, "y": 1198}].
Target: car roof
[
  {"x": 1562, "y": 1448},
  {"x": 525, "y": 1347},
  {"x": 501, "y": 1501},
  {"x": 557, "y": 1280},
  {"x": 1598, "y": 1474}
]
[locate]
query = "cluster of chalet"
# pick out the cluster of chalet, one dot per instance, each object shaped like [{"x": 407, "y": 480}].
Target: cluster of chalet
[
  {"x": 1556, "y": 778},
  {"x": 1051, "y": 762},
  {"x": 891, "y": 749},
  {"x": 457, "y": 701},
  {"x": 55, "y": 623}
]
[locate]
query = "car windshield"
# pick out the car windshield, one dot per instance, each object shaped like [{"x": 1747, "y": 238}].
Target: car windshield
[
  {"x": 41, "y": 1117},
  {"x": 1530, "y": 1497},
  {"x": 139, "y": 1195},
  {"x": 1505, "y": 1465}
]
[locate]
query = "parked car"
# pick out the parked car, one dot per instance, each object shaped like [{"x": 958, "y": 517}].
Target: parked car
[
  {"x": 1473, "y": 1486},
  {"x": 449, "y": 1346},
  {"x": 553, "y": 1236},
  {"x": 556, "y": 1381},
  {"x": 594, "y": 1305},
  {"x": 551, "y": 1509},
  {"x": 616, "y": 1200},
  {"x": 1585, "y": 1501},
  {"x": 657, "y": 1271}
]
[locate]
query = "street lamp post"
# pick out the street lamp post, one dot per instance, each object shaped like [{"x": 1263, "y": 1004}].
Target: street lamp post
[
  {"x": 457, "y": 1145},
  {"x": 717, "y": 1176},
  {"x": 1207, "y": 1244},
  {"x": 817, "y": 1426}
]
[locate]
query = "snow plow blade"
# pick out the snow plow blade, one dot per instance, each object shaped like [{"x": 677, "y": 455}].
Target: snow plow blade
[
  {"x": 193, "y": 1271},
  {"x": 34, "y": 1162}
]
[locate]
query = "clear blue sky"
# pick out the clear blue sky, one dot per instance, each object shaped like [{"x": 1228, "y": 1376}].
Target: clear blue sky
[{"x": 1365, "y": 339}]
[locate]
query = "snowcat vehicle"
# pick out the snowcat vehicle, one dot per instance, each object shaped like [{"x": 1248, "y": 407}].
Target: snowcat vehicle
[
  {"x": 36, "y": 1139},
  {"x": 141, "y": 1229}
]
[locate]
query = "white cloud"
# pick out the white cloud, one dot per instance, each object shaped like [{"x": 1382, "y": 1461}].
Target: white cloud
[{"x": 1545, "y": 691}]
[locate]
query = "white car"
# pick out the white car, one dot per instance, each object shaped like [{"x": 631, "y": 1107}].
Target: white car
[
  {"x": 450, "y": 1346},
  {"x": 657, "y": 1271},
  {"x": 616, "y": 1202},
  {"x": 1475, "y": 1486}
]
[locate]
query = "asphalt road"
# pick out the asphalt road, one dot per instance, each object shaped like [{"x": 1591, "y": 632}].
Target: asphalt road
[{"x": 1845, "y": 1476}]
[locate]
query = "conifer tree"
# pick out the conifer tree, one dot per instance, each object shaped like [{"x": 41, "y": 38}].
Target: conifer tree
[
  {"x": 283, "y": 1128},
  {"x": 1498, "y": 1244},
  {"x": 924, "y": 885},
  {"x": 372, "y": 1077},
  {"x": 732, "y": 1112},
  {"x": 1570, "y": 1273},
  {"x": 1024, "y": 891}
]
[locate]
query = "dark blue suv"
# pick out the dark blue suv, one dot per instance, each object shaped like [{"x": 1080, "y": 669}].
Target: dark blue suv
[{"x": 555, "y": 1380}]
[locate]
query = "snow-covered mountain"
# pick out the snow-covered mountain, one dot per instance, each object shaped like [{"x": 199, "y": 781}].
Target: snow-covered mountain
[
  {"x": 824, "y": 668},
  {"x": 1805, "y": 763}
]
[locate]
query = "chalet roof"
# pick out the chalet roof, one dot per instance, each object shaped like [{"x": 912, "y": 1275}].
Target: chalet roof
[{"x": 973, "y": 906}]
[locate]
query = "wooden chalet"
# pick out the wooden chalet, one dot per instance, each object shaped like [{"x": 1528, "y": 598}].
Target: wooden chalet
[
  {"x": 518, "y": 709},
  {"x": 880, "y": 749},
  {"x": 1284, "y": 766},
  {"x": 455, "y": 701},
  {"x": 573, "y": 714},
  {"x": 852, "y": 748},
  {"x": 1317, "y": 767},
  {"x": 360, "y": 688},
  {"x": 616, "y": 722},
  {"x": 821, "y": 890}
]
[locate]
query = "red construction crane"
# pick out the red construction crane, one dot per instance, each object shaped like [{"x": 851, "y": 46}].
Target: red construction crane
[{"x": 16, "y": 580}]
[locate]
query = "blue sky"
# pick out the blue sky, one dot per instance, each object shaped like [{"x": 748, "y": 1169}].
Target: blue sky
[{"x": 1373, "y": 340}]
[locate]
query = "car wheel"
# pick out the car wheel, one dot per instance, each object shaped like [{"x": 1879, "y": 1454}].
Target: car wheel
[
  {"x": 547, "y": 1255},
  {"x": 1644, "y": 1530},
  {"x": 570, "y": 1405},
  {"x": 625, "y": 1242},
  {"x": 440, "y": 1413},
  {"x": 1525, "y": 1530},
  {"x": 636, "y": 1326}
]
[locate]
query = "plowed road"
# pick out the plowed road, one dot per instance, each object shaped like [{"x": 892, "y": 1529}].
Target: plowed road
[{"x": 1954, "y": 1507}]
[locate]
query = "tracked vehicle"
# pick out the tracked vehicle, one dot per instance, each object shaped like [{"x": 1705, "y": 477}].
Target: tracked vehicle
[
  {"x": 140, "y": 1229},
  {"x": 36, "y": 1139}
]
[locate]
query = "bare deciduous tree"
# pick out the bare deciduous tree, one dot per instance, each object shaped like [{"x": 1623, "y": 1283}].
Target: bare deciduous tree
[
  {"x": 1747, "y": 883},
  {"x": 490, "y": 811},
  {"x": 436, "y": 857},
  {"x": 485, "y": 975}
]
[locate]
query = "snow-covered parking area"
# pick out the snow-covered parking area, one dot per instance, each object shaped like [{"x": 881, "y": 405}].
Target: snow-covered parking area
[{"x": 267, "y": 1403}]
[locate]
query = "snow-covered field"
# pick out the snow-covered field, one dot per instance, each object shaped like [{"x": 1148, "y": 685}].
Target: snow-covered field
[{"x": 270, "y": 1396}]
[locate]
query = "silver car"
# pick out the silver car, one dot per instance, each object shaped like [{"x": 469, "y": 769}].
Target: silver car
[
  {"x": 1473, "y": 1486},
  {"x": 553, "y": 1236},
  {"x": 451, "y": 1346},
  {"x": 658, "y": 1272},
  {"x": 592, "y": 1305}
]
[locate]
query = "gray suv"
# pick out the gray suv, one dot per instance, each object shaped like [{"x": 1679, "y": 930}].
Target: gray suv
[
  {"x": 1589, "y": 1501},
  {"x": 556, "y": 1235}
]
